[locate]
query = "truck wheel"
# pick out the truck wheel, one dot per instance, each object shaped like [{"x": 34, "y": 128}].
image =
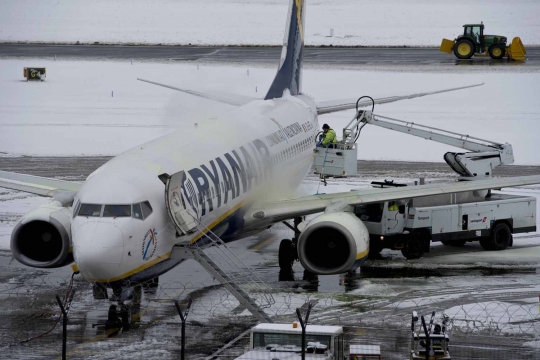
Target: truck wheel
[
  {"x": 374, "y": 251},
  {"x": 501, "y": 237},
  {"x": 456, "y": 243},
  {"x": 486, "y": 244},
  {"x": 496, "y": 51},
  {"x": 285, "y": 255},
  {"x": 414, "y": 248},
  {"x": 464, "y": 49}
]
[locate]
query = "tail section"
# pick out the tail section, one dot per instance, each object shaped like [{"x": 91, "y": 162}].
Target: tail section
[{"x": 289, "y": 74}]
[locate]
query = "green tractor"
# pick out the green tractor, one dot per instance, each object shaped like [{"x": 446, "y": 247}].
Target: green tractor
[{"x": 474, "y": 42}]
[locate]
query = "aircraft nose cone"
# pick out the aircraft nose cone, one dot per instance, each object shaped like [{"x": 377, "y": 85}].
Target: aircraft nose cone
[{"x": 98, "y": 249}]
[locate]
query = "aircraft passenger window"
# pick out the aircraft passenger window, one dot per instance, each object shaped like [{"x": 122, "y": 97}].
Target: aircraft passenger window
[
  {"x": 90, "y": 210},
  {"x": 117, "y": 211},
  {"x": 137, "y": 213}
]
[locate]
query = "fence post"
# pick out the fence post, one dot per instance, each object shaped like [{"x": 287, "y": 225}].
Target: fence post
[
  {"x": 183, "y": 317},
  {"x": 303, "y": 324}
]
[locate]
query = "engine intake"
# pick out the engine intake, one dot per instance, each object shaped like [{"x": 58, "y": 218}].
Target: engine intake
[
  {"x": 333, "y": 244},
  {"x": 42, "y": 238}
]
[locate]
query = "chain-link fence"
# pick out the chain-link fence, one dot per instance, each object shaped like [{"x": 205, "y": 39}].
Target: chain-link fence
[{"x": 491, "y": 329}]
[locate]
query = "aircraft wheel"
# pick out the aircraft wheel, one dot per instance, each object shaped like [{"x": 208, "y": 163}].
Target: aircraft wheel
[
  {"x": 456, "y": 243},
  {"x": 464, "y": 49},
  {"x": 501, "y": 237},
  {"x": 125, "y": 315},
  {"x": 496, "y": 51},
  {"x": 414, "y": 248},
  {"x": 112, "y": 318},
  {"x": 285, "y": 255}
]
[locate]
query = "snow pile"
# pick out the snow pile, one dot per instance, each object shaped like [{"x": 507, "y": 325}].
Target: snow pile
[
  {"x": 96, "y": 108},
  {"x": 261, "y": 22}
]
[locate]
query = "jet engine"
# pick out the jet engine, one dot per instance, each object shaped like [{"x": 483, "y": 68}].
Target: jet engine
[
  {"x": 333, "y": 243},
  {"x": 42, "y": 238}
]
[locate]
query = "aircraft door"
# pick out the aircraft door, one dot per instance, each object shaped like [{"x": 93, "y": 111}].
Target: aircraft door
[{"x": 182, "y": 202}]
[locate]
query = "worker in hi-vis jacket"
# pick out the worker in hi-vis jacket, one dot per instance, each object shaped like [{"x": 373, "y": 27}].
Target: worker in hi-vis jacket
[{"x": 329, "y": 138}]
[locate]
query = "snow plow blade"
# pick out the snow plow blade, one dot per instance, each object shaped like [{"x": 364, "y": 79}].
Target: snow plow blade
[
  {"x": 516, "y": 50},
  {"x": 447, "y": 45}
]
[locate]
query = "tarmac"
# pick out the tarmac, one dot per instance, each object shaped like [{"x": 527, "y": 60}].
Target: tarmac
[
  {"x": 446, "y": 278},
  {"x": 336, "y": 56}
]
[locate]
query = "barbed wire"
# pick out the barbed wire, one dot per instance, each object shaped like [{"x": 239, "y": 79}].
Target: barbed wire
[{"x": 31, "y": 298}]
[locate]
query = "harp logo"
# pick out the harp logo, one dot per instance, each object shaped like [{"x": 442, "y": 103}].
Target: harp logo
[{"x": 149, "y": 244}]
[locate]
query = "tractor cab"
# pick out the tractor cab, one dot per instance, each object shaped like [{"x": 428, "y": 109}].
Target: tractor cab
[{"x": 474, "y": 32}]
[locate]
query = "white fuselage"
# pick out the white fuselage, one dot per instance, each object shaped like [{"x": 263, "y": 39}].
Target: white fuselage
[{"x": 264, "y": 148}]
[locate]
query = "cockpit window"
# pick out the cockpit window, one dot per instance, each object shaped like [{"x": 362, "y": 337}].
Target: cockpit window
[
  {"x": 146, "y": 209},
  {"x": 90, "y": 210},
  {"x": 117, "y": 210},
  {"x": 137, "y": 213}
]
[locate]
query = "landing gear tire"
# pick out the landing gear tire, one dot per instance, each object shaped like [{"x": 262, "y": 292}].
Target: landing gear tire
[
  {"x": 414, "y": 248},
  {"x": 285, "y": 255},
  {"x": 456, "y": 243},
  {"x": 125, "y": 315},
  {"x": 496, "y": 52},
  {"x": 464, "y": 49},
  {"x": 112, "y": 318}
]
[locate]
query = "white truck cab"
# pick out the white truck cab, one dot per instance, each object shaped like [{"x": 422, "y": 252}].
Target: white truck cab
[{"x": 284, "y": 342}]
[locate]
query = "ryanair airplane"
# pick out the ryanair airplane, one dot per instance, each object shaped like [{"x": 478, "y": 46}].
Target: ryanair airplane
[{"x": 124, "y": 223}]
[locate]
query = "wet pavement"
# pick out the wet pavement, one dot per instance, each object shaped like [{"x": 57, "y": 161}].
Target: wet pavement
[
  {"x": 495, "y": 308},
  {"x": 338, "y": 56}
]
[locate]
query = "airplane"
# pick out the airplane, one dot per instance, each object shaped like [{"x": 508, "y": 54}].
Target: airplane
[{"x": 123, "y": 224}]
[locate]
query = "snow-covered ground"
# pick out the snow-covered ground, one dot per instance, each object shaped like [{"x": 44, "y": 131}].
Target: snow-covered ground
[
  {"x": 95, "y": 108},
  {"x": 261, "y": 22}
]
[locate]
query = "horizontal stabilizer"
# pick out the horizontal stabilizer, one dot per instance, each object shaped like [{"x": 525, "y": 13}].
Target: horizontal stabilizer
[
  {"x": 326, "y": 107},
  {"x": 225, "y": 98},
  {"x": 36, "y": 184}
]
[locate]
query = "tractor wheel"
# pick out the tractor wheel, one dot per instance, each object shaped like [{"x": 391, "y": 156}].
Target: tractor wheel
[
  {"x": 497, "y": 51},
  {"x": 464, "y": 49}
]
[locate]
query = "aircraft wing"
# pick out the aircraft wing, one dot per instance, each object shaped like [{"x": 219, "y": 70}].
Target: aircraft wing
[
  {"x": 273, "y": 212},
  {"x": 226, "y": 98},
  {"x": 36, "y": 184},
  {"x": 326, "y": 107}
]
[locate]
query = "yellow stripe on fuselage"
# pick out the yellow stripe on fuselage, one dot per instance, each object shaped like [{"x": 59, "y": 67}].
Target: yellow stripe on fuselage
[
  {"x": 136, "y": 270},
  {"x": 218, "y": 220}
]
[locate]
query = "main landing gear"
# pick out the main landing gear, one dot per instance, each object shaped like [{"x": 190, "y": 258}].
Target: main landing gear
[{"x": 287, "y": 248}]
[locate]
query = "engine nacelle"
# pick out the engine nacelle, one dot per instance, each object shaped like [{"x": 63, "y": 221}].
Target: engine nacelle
[
  {"x": 42, "y": 238},
  {"x": 333, "y": 244}
]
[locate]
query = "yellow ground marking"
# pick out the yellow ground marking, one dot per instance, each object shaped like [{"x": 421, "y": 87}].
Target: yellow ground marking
[{"x": 263, "y": 244}]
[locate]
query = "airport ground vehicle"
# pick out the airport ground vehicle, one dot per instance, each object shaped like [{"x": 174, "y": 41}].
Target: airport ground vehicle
[
  {"x": 432, "y": 343},
  {"x": 474, "y": 42},
  {"x": 323, "y": 342},
  {"x": 453, "y": 219}
]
